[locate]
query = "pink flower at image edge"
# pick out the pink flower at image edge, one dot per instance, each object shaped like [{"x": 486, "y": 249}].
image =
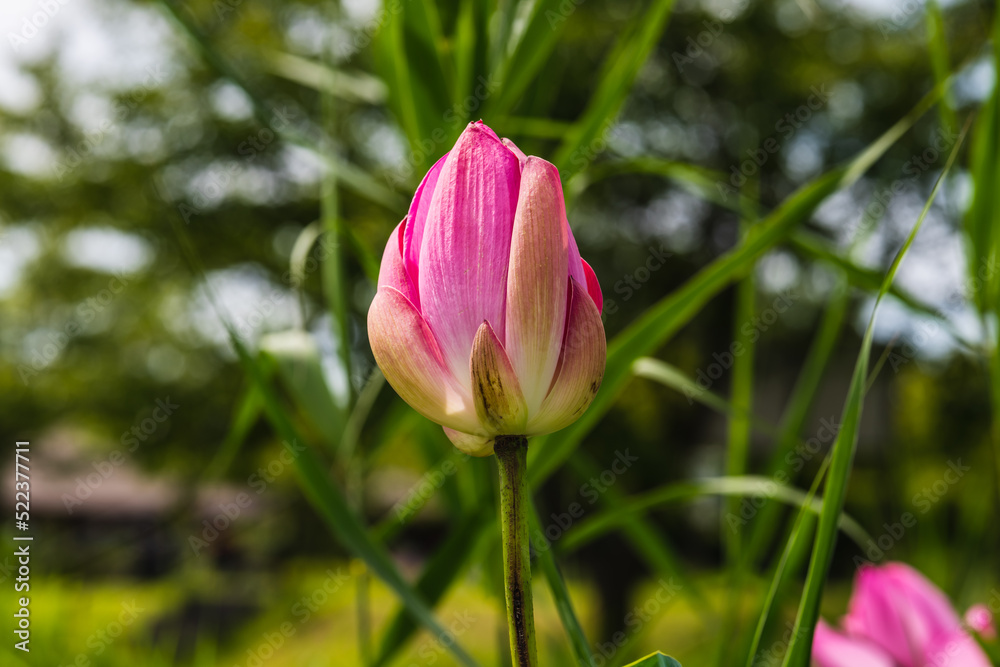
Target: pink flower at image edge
[{"x": 897, "y": 618}]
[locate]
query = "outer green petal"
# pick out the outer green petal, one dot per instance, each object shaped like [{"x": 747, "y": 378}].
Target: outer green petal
[
  {"x": 473, "y": 445},
  {"x": 496, "y": 392}
]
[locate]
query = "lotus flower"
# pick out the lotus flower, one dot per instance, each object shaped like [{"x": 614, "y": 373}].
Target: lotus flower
[
  {"x": 487, "y": 320},
  {"x": 897, "y": 618}
]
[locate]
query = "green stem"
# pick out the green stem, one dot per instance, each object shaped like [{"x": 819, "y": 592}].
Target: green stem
[{"x": 512, "y": 456}]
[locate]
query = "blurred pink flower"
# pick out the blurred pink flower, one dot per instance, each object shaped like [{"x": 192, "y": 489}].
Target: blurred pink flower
[
  {"x": 897, "y": 618},
  {"x": 979, "y": 618},
  {"x": 486, "y": 320}
]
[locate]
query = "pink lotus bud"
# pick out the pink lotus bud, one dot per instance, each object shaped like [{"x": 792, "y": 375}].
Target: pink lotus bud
[
  {"x": 897, "y": 618},
  {"x": 487, "y": 321}
]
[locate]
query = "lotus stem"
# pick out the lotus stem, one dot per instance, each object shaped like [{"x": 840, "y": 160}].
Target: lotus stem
[{"x": 512, "y": 456}]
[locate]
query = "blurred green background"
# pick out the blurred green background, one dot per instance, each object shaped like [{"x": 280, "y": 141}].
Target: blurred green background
[{"x": 165, "y": 163}]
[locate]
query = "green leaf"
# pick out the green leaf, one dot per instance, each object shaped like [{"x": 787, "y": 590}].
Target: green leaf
[
  {"x": 674, "y": 378},
  {"x": 299, "y": 256},
  {"x": 738, "y": 448},
  {"x": 712, "y": 186},
  {"x": 471, "y": 46},
  {"x": 655, "y": 660},
  {"x": 796, "y": 546},
  {"x": 349, "y": 86},
  {"x": 980, "y": 225},
  {"x": 842, "y": 457}
]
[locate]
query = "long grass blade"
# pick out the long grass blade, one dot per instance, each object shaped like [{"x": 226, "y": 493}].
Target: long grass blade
[
  {"x": 796, "y": 539},
  {"x": 813, "y": 246},
  {"x": 564, "y": 604},
  {"x": 843, "y": 456},
  {"x": 674, "y": 378},
  {"x": 248, "y": 410},
  {"x": 319, "y": 489},
  {"x": 335, "y": 287},
  {"x": 621, "y": 67},
  {"x": 593, "y": 527},
  {"x": 411, "y": 61},
  {"x": 705, "y": 183},
  {"x": 449, "y": 562},
  {"x": 796, "y": 547},
  {"x": 349, "y": 86},
  {"x": 518, "y": 59},
  {"x": 983, "y": 237},
  {"x": 797, "y": 411},
  {"x": 738, "y": 439},
  {"x": 296, "y": 360},
  {"x": 937, "y": 42},
  {"x": 708, "y": 184}
]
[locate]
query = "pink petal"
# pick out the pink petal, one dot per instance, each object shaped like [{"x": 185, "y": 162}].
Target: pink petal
[
  {"x": 832, "y": 649},
  {"x": 897, "y": 608},
  {"x": 479, "y": 124},
  {"x": 408, "y": 355},
  {"x": 929, "y": 612},
  {"x": 536, "y": 280},
  {"x": 581, "y": 366},
  {"x": 417, "y": 217},
  {"x": 933, "y": 608},
  {"x": 521, "y": 157},
  {"x": 393, "y": 271},
  {"x": 578, "y": 272},
  {"x": 873, "y": 614},
  {"x": 466, "y": 244},
  {"x": 496, "y": 391},
  {"x": 473, "y": 445},
  {"x": 957, "y": 649},
  {"x": 575, "y": 261},
  {"x": 593, "y": 287}
]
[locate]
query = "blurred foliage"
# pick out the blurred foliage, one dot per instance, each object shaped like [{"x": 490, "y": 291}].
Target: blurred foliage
[{"x": 229, "y": 120}]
